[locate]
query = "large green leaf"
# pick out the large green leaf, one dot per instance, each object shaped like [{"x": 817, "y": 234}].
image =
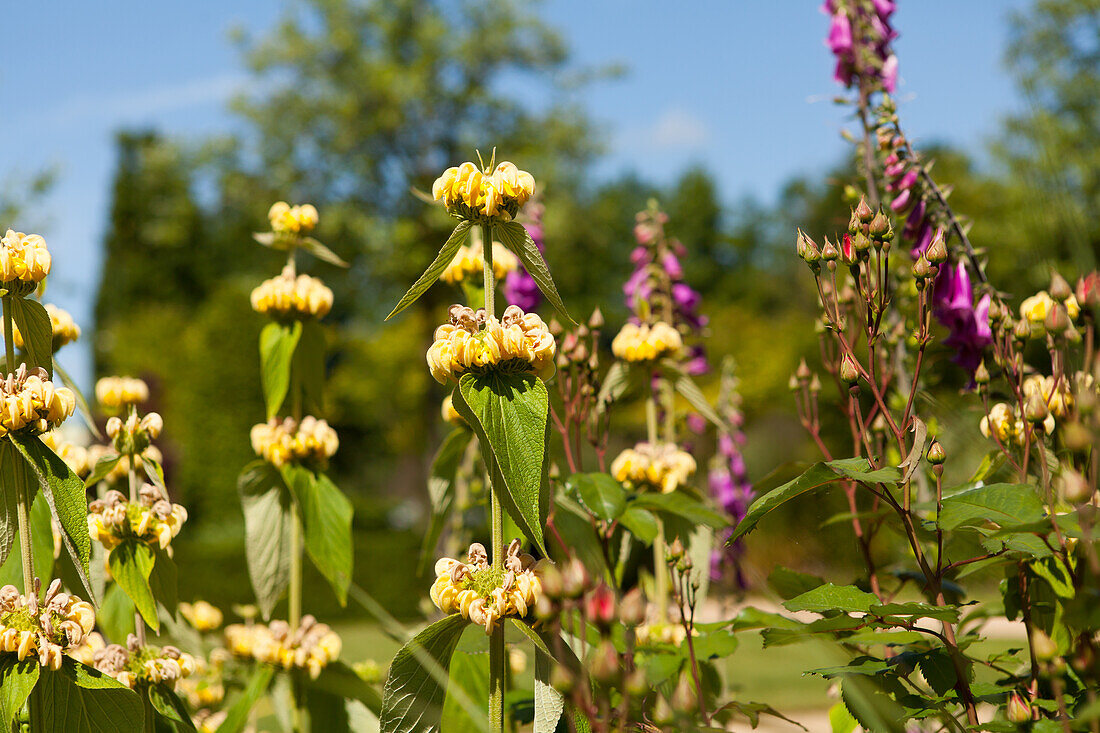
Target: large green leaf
[
  {"x": 267, "y": 525},
  {"x": 1004, "y": 504},
  {"x": 515, "y": 237},
  {"x": 549, "y": 703},
  {"x": 441, "y": 488},
  {"x": 326, "y": 519},
  {"x": 168, "y": 705},
  {"x": 115, "y": 615},
  {"x": 321, "y": 252},
  {"x": 164, "y": 581},
  {"x": 238, "y": 715},
  {"x": 277, "y": 344},
  {"x": 16, "y": 479},
  {"x": 413, "y": 697},
  {"x": 814, "y": 477},
  {"x": 309, "y": 365},
  {"x": 79, "y": 699},
  {"x": 11, "y": 573},
  {"x": 641, "y": 523},
  {"x": 829, "y": 597},
  {"x": 131, "y": 565},
  {"x": 681, "y": 505},
  {"x": 17, "y": 679},
  {"x": 791, "y": 583},
  {"x": 102, "y": 467},
  {"x": 600, "y": 494},
  {"x": 65, "y": 494},
  {"x": 341, "y": 680},
  {"x": 509, "y": 414},
  {"x": 469, "y": 677},
  {"x": 37, "y": 332},
  {"x": 447, "y": 253}
]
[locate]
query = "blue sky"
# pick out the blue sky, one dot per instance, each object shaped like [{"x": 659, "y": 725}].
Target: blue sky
[{"x": 741, "y": 87}]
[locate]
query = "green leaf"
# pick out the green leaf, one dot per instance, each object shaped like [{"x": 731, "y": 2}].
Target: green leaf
[
  {"x": 166, "y": 703},
  {"x": 829, "y": 597},
  {"x": 321, "y": 252},
  {"x": 41, "y": 545},
  {"x": 469, "y": 678},
  {"x": 840, "y": 720},
  {"x": 921, "y": 610},
  {"x": 238, "y": 715},
  {"x": 37, "y": 332},
  {"x": 65, "y": 494},
  {"x": 690, "y": 391},
  {"x": 447, "y": 253},
  {"x": 326, "y": 519},
  {"x": 327, "y": 712},
  {"x": 16, "y": 479},
  {"x": 267, "y": 525},
  {"x": 508, "y": 412},
  {"x": 1004, "y": 504},
  {"x": 154, "y": 472},
  {"x": 938, "y": 670},
  {"x": 164, "y": 581},
  {"x": 81, "y": 402},
  {"x": 515, "y": 237},
  {"x": 131, "y": 564},
  {"x": 277, "y": 344},
  {"x": 991, "y": 463},
  {"x": 102, "y": 467},
  {"x": 791, "y": 583},
  {"x": 641, "y": 523},
  {"x": 17, "y": 679},
  {"x": 441, "y": 486},
  {"x": 413, "y": 697},
  {"x": 115, "y": 615},
  {"x": 681, "y": 505},
  {"x": 619, "y": 381},
  {"x": 79, "y": 699},
  {"x": 602, "y": 495},
  {"x": 549, "y": 703},
  {"x": 874, "y": 710},
  {"x": 814, "y": 477},
  {"x": 340, "y": 679},
  {"x": 309, "y": 365}
]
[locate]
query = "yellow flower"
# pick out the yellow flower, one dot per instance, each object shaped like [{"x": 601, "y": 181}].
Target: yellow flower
[
  {"x": 287, "y": 219},
  {"x": 1006, "y": 427},
  {"x": 136, "y": 664},
  {"x": 469, "y": 193},
  {"x": 31, "y": 404},
  {"x": 284, "y": 441},
  {"x": 312, "y": 646},
  {"x": 482, "y": 594},
  {"x": 450, "y": 414},
  {"x": 75, "y": 456},
  {"x": 24, "y": 261},
  {"x": 115, "y": 393},
  {"x": 469, "y": 262},
  {"x": 1057, "y": 401},
  {"x": 646, "y": 342},
  {"x": 48, "y": 629},
  {"x": 153, "y": 519},
  {"x": 287, "y": 295},
  {"x": 662, "y": 466},
  {"x": 201, "y": 615},
  {"x": 473, "y": 341},
  {"x": 1036, "y": 308}
]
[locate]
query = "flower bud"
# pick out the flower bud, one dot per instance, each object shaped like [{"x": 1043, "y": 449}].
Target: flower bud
[
  {"x": 829, "y": 252},
  {"x": 849, "y": 372},
  {"x": 632, "y": 608},
  {"x": 114, "y": 427},
  {"x": 803, "y": 371},
  {"x": 574, "y": 578},
  {"x": 981, "y": 374},
  {"x": 604, "y": 665},
  {"x": 1075, "y": 487},
  {"x": 1077, "y": 437},
  {"x": 855, "y": 226},
  {"x": 1044, "y": 648},
  {"x": 815, "y": 385},
  {"x": 545, "y": 608},
  {"x": 936, "y": 453},
  {"x": 596, "y": 319},
  {"x": 1022, "y": 330},
  {"x": 685, "y": 700},
  {"x": 599, "y": 606},
  {"x": 1059, "y": 288},
  {"x": 636, "y": 683},
  {"x": 807, "y": 250},
  {"x": 792, "y": 383},
  {"x": 1035, "y": 408},
  {"x": 662, "y": 712},
  {"x": 1088, "y": 289},
  {"x": 1018, "y": 710},
  {"x": 1057, "y": 319},
  {"x": 552, "y": 581},
  {"x": 864, "y": 212},
  {"x": 922, "y": 271},
  {"x": 880, "y": 228},
  {"x": 675, "y": 551},
  {"x": 861, "y": 243},
  {"x": 937, "y": 250}
]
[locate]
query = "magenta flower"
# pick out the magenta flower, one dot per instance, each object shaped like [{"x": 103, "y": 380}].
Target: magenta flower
[
  {"x": 968, "y": 324},
  {"x": 519, "y": 287}
]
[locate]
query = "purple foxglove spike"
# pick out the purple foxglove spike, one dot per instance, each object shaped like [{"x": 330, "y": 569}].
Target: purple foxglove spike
[
  {"x": 840, "y": 34},
  {"x": 890, "y": 73},
  {"x": 900, "y": 203},
  {"x": 672, "y": 266}
]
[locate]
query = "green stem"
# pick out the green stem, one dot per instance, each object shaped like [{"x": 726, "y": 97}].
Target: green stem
[
  {"x": 496, "y": 639},
  {"x": 294, "y": 592},
  {"x": 139, "y": 622},
  {"x": 660, "y": 563},
  {"x": 22, "y": 504}
]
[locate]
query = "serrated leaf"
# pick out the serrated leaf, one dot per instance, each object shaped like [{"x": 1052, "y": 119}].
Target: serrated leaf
[
  {"x": 169, "y": 706},
  {"x": 321, "y": 252},
  {"x": 515, "y": 237},
  {"x": 441, "y": 487},
  {"x": 131, "y": 565},
  {"x": 681, "y": 505},
  {"x": 164, "y": 581},
  {"x": 413, "y": 697},
  {"x": 447, "y": 253},
  {"x": 34, "y": 326},
  {"x": 840, "y": 720},
  {"x": 938, "y": 671},
  {"x": 829, "y": 597},
  {"x": 641, "y": 523},
  {"x": 871, "y": 707},
  {"x": 79, "y": 699},
  {"x": 16, "y": 479},
  {"x": 102, "y": 467},
  {"x": 600, "y": 494},
  {"x": 17, "y": 679},
  {"x": 549, "y": 703},
  {"x": 277, "y": 344},
  {"x": 238, "y": 716},
  {"x": 309, "y": 365},
  {"x": 921, "y": 610},
  {"x": 509, "y": 412},
  {"x": 326, "y": 521},
  {"x": 64, "y": 493},
  {"x": 267, "y": 525},
  {"x": 1004, "y": 504}
]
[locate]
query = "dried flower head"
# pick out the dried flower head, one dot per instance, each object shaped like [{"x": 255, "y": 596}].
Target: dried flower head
[
  {"x": 472, "y": 342},
  {"x": 46, "y": 628},
  {"x": 115, "y": 393},
  {"x": 31, "y": 403},
  {"x": 485, "y": 594},
  {"x": 286, "y": 441},
  {"x": 661, "y": 466},
  {"x": 287, "y": 296},
  {"x": 152, "y": 519},
  {"x": 24, "y": 261},
  {"x": 645, "y": 342},
  {"x": 469, "y": 193}
]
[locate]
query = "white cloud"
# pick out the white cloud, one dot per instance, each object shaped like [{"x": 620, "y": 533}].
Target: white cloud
[{"x": 675, "y": 130}]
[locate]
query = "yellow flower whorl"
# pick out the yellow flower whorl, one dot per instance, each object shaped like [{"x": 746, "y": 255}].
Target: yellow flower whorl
[
  {"x": 30, "y": 404},
  {"x": 469, "y": 193},
  {"x": 1005, "y": 426},
  {"x": 48, "y": 629},
  {"x": 284, "y": 441},
  {"x": 663, "y": 466},
  {"x": 152, "y": 519},
  {"x": 469, "y": 262},
  {"x": 287, "y": 295},
  {"x": 136, "y": 664},
  {"x": 311, "y": 647},
  {"x": 115, "y": 393},
  {"x": 472, "y": 341},
  {"x": 24, "y": 261},
  {"x": 201, "y": 615},
  {"x": 646, "y": 342},
  {"x": 458, "y": 586},
  {"x": 287, "y": 219}
]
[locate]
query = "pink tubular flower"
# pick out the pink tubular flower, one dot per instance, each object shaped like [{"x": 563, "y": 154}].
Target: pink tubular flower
[{"x": 968, "y": 323}]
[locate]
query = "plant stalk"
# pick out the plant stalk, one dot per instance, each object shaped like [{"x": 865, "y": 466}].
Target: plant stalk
[
  {"x": 660, "y": 563},
  {"x": 22, "y": 504},
  {"x": 139, "y": 622}
]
